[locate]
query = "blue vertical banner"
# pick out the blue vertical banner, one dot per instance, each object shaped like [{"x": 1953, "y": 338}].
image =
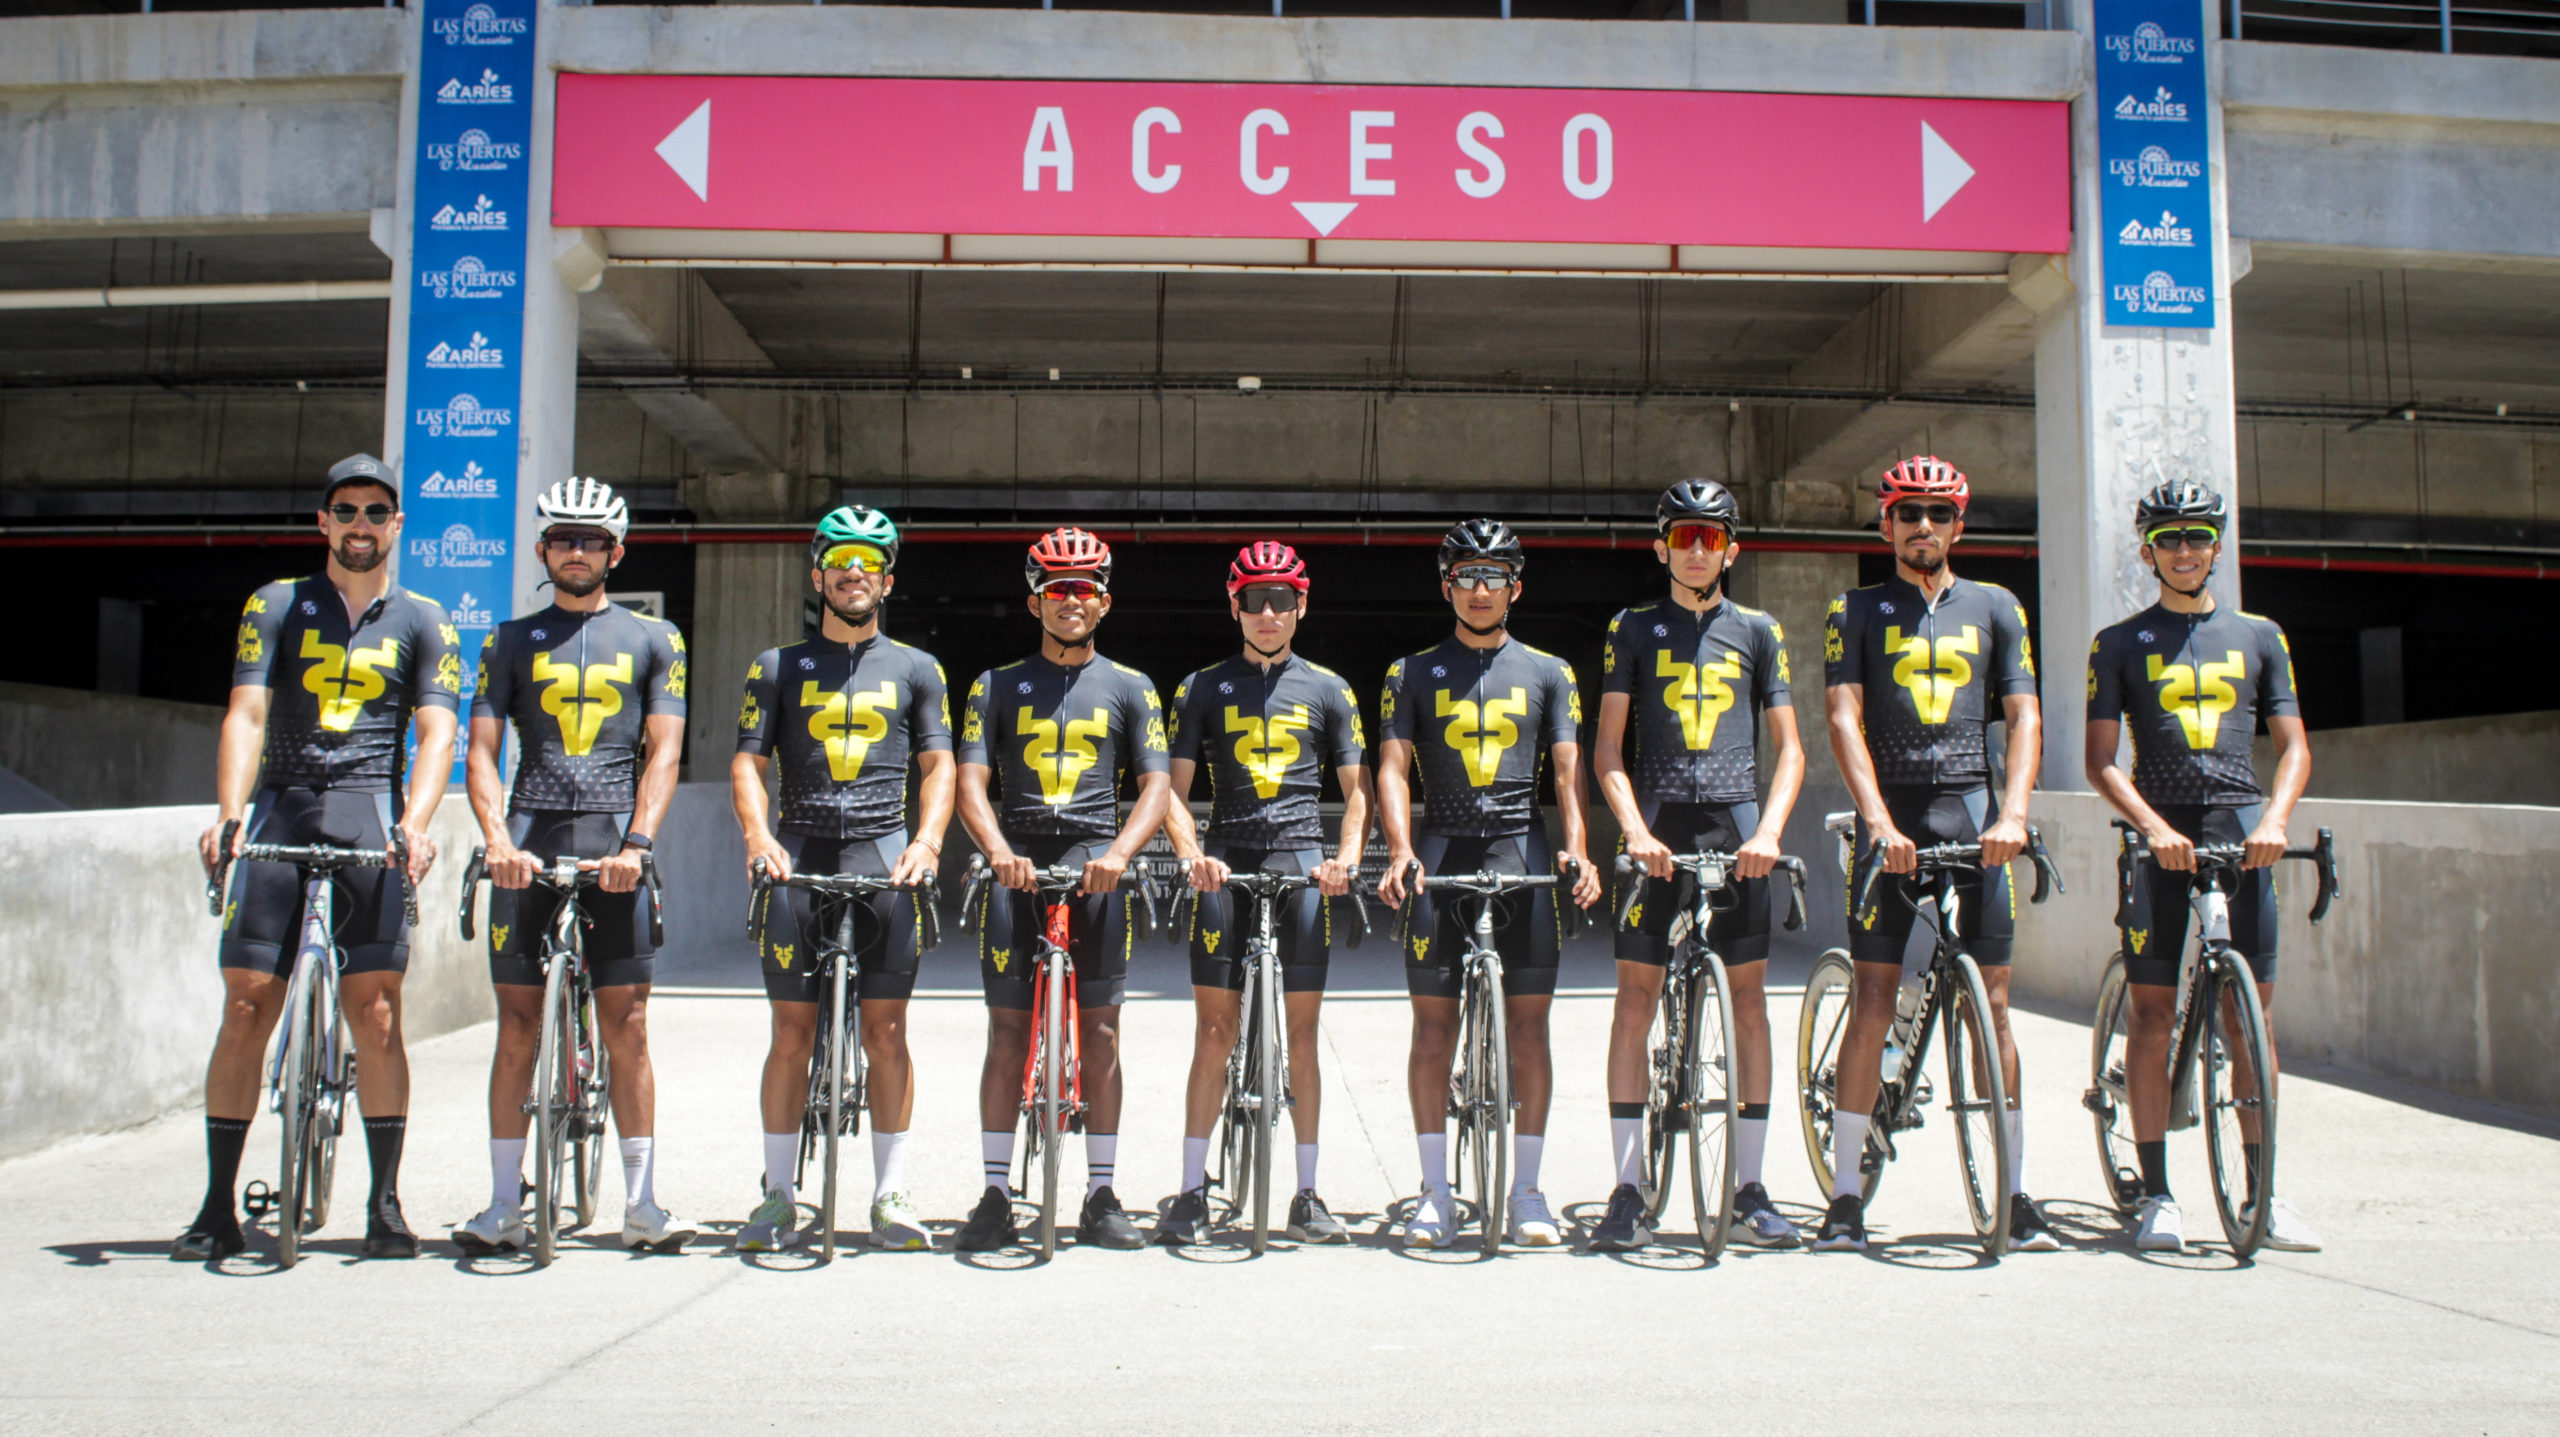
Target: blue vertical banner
[
  {"x": 2156, "y": 190},
  {"x": 467, "y": 259}
]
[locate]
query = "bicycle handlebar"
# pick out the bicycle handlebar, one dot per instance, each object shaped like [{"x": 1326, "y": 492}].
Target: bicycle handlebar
[
  {"x": 1061, "y": 879},
  {"x": 1713, "y": 868},
  {"x": 320, "y": 857},
  {"x": 1966, "y": 854},
  {"x": 844, "y": 885},
  {"x": 2322, "y": 855},
  {"x": 567, "y": 874},
  {"x": 1270, "y": 888}
]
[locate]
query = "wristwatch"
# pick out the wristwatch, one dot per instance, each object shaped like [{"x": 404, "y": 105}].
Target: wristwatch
[{"x": 637, "y": 840}]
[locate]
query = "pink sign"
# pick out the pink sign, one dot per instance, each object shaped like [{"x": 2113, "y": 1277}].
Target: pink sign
[{"x": 1027, "y": 157}]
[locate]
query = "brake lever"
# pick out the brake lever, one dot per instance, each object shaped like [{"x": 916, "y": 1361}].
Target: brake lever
[
  {"x": 1571, "y": 911},
  {"x": 973, "y": 886},
  {"x": 472, "y": 873},
  {"x": 657, "y": 914},
  {"x": 1360, "y": 906},
  {"x": 2048, "y": 877},
  {"x": 2324, "y": 856},
  {"x": 1795, "y": 892},
  {"x": 928, "y": 901}
]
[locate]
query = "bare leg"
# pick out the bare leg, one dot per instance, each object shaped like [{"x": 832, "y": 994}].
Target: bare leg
[
  {"x": 893, "y": 1069},
  {"x": 786, "y": 1066},
  {"x": 623, "y": 1013},
  {"x": 1216, "y": 1012},
  {"x": 511, "y": 1069},
  {"x": 372, "y": 1004}
]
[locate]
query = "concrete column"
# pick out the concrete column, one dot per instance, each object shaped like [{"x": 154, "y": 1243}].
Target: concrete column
[
  {"x": 1796, "y": 590},
  {"x": 747, "y": 598},
  {"x": 547, "y": 429},
  {"x": 2118, "y": 408}
]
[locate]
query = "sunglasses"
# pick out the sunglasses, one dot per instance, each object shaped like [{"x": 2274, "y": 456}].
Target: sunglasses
[
  {"x": 1480, "y": 576},
  {"x": 1711, "y": 537},
  {"x": 1267, "y": 598},
  {"x": 1073, "y": 589},
  {"x": 2196, "y": 538},
  {"x": 376, "y": 514},
  {"x": 855, "y": 556},
  {"x": 579, "y": 543},
  {"x": 1938, "y": 514}
]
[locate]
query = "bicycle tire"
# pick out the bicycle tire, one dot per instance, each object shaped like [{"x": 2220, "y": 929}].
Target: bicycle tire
[
  {"x": 2110, "y": 1095},
  {"x": 1711, "y": 1103},
  {"x": 1053, "y": 1100},
  {"x": 1494, "y": 1092},
  {"x": 2226, "y": 1112},
  {"x": 1267, "y": 1080},
  {"x": 1820, "y": 1025},
  {"x": 297, "y": 1105},
  {"x": 550, "y": 1111},
  {"x": 1233, "y": 1142},
  {"x": 1664, "y": 1034},
  {"x": 1978, "y": 1103},
  {"x": 586, "y": 1155},
  {"x": 831, "y": 1106},
  {"x": 336, "y": 1093}
]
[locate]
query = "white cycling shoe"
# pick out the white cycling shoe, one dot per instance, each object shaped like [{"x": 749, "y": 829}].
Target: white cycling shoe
[
  {"x": 2159, "y": 1226},
  {"x": 895, "y": 1226},
  {"x": 1432, "y": 1223},
  {"x": 2287, "y": 1232},
  {"x": 1532, "y": 1225},
  {"x": 498, "y": 1230},
  {"x": 647, "y": 1227}
]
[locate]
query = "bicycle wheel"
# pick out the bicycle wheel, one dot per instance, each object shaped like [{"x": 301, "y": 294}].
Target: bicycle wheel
[
  {"x": 595, "y": 1085},
  {"x": 831, "y": 1105},
  {"x": 1493, "y": 1106},
  {"x": 1053, "y": 1099},
  {"x": 553, "y": 1083},
  {"x": 335, "y": 1092},
  {"x": 1267, "y": 1082},
  {"x": 1709, "y": 1102},
  {"x": 1978, "y": 1099},
  {"x": 1820, "y": 1026},
  {"x": 2236, "y": 1033},
  {"x": 1664, "y": 1113},
  {"x": 298, "y": 1088},
  {"x": 2109, "y": 1099}
]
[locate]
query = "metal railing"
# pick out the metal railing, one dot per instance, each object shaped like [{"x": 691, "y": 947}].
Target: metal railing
[{"x": 2507, "y": 27}]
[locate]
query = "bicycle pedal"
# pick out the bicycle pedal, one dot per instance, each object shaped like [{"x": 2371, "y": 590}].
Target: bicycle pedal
[
  {"x": 257, "y": 1199},
  {"x": 2097, "y": 1101}
]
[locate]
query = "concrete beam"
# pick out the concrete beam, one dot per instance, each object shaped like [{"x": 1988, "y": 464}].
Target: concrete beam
[{"x": 658, "y": 319}]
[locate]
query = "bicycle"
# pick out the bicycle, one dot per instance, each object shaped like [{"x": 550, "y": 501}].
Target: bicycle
[
  {"x": 1480, "y": 1080},
  {"x": 1689, "y": 1068},
  {"x": 314, "y": 1066},
  {"x": 572, "y": 1072},
  {"x": 1950, "y": 993},
  {"x": 839, "y": 1073},
  {"x": 1052, "y": 1072},
  {"x": 2218, "y": 1019}
]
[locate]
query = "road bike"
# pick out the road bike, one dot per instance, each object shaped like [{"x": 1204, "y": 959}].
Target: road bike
[
  {"x": 314, "y": 1067},
  {"x": 2220, "y": 1030},
  {"x": 1949, "y": 994},
  {"x": 572, "y": 1072},
  {"x": 1690, "y": 1095},
  {"x": 839, "y": 1073},
  {"x": 1052, "y": 1072}
]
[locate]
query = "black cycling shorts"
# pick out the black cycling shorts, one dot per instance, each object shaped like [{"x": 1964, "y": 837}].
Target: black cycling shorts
[
  {"x": 1528, "y": 928},
  {"x": 1098, "y": 933},
  {"x": 888, "y": 933},
  {"x": 1987, "y": 915},
  {"x": 1739, "y": 934},
  {"x": 1304, "y": 924},
  {"x": 618, "y": 949},
  {"x": 2154, "y": 914},
  {"x": 262, "y": 921}
]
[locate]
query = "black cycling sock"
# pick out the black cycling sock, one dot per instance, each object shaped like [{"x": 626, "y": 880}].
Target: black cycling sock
[
  {"x": 1753, "y": 1112},
  {"x": 383, "y": 1138},
  {"x": 223, "y": 1140},
  {"x": 1626, "y": 1110},
  {"x": 2154, "y": 1158},
  {"x": 2253, "y": 1154}
]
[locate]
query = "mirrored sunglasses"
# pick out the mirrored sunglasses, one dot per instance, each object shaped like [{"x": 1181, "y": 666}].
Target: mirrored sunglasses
[
  {"x": 855, "y": 556},
  {"x": 1690, "y": 536},
  {"x": 371, "y": 513},
  {"x": 1480, "y": 576},
  {"x": 2195, "y": 538},
  {"x": 1072, "y": 589},
  {"x": 1938, "y": 514},
  {"x": 1267, "y": 598}
]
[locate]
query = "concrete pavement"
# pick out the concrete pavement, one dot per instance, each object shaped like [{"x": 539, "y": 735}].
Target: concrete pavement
[{"x": 2435, "y": 1306}]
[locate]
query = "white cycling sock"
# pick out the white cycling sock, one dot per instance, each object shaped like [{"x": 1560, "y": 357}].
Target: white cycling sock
[
  {"x": 781, "y": 1158},
  {"x": 996, "y": 1152},
  {"x": 1101, "y": 1154},
  {"x": 1848, "y": 1145},
  {"x": 1525, "y": 1152},
  {"x": 888, "y": 1163},
  {"x": 1435, "y": 1161},
  {"x": 506, "y": 1174},
  {"x": 639, "y": 1172},
  {"x": 1306, "y": 1167},
  {"x": 1195, "y": 1163},
  {"x": 2017, "y": 1150},
  {"x": 1626, "y": 1140},
  {"x": 1750, "y": 1142}
]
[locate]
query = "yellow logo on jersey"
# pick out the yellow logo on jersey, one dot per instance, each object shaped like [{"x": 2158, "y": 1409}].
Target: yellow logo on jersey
[
  {"x": 498, "y": 936},
  {"x": 1266, "y": 747},
  {"x": 251, "y": 649},
  {"x": 256, "y": 605},
  {"x": 782, "y": 956},
  {"x": 848, "y": 724},
  {"x": 970, "y": 730},
  {"x": 999, "y": 957},
  {"x": 352, "y": 676},
  {"x": 452, "y": 636},
  {"x": 1209, "y": 941},
  {"x": 449, "y": 672},
  {"x": 2137, "y": 939},
  {"x": 1635, "y": 916},
  {"x": 1351, "y": 706},
  {"x": 581, "y": 701},
  {"x": 1698, "y": 693},
  {"x": 1421, "y": 948},
  {"x": 1933, "y": 678},
  {"x": 2198, "y": 695},
  {"x": 1060, "y": 760},
  {"x": 750, "y": 717},
  {"x": 1482, "y": 739},
  {"x": 675, "y": 679}
]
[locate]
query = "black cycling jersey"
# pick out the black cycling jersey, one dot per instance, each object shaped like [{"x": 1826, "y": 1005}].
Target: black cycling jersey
[
  {"x": 1058, "y": 739},
  {"x": 1480, "y": 722},
  {"x": 1696, "y": 686},
  {"x": 1934, "y": 675},
  {"x": 579, "y": 688},
  {"x": 843, "y": 721},
  {"x": 1265, "y": 736},
  {"x": 340, "y": 694},
  {"x": 2194, "y": 687}
]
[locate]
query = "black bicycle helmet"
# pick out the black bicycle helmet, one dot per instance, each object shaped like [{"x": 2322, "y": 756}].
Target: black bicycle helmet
[
  {"x": 1696, "y": 501},
  {"x": 2180, "y": 501},
  {"x": 1481, "y": 541}
]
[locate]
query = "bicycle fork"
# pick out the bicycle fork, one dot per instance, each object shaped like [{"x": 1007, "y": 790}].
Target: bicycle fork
[
  {"x": 1071, "y": 1112},
  {"x": 2213, "y": 912}
]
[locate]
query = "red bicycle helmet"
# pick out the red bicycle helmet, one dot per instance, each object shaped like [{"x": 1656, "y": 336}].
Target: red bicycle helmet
[
  {"x": 1060, "y": 550},
  {"x": 1924, "y": 477},
  {"x": 1267, "y": 562}
]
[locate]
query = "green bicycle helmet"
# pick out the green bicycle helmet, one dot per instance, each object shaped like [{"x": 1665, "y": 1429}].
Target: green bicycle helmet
[{"x": 854, "y": 524}]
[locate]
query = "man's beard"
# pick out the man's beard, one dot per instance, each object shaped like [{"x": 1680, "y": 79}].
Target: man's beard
[
  {"x": 355, "y": 563},
  {"x": 1928, "y": 563},
  {"x": 578, "y": 588},
  {"x": 855, "y": 612}
]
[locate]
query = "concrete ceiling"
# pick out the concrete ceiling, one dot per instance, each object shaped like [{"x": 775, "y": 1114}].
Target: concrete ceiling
[
  {"x": 327, "y": 338},
  {"x": 2341, "y": 332}
]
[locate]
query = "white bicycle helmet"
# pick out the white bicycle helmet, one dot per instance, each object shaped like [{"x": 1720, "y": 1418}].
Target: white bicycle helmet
[{"x": 590, "y": 503}]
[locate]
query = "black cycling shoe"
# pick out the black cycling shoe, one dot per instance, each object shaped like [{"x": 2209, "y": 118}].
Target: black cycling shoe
[
  {"x": 2028, "y": 1231},
  {"x": 386, "y": 1232},
  {"x": 1844, "y": 1226},
  {"x": 1624, "y": 1228},
  {"x": 209, "y": 1239},
  {"x": 1184, "y": 1221},
  {"x": 1311, "y": 1221},
  {"x": 990, "y": 1224},
  {"x": 1104, "y": 1223}
]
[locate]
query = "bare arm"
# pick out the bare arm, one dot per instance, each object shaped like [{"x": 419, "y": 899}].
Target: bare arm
[
  {"x": 935, "y": 781},
  {"x": 978, "y": 815},
  {"x": 620, "y": 872},
  {"x": 1334, "y": 878},
  {"x": 2293, "y": 775},
  {"x": 1761, "y": 851},
  {"x": 235, "y": 767},
  {"x": 1576, "y": 824},
  {"x": 1207, "y": 874},
  {"x": 2025, "y": 720},
  {"x": 754, "y": 807},
  {"x": 1609, "y": 761},
  {"x": 1846, "y": 704},
  {"x": 1155, "y": 795},
  {"x": 427, "y": 780},
  {"x": 508, "y": 867},
  {"x": 1395, "y": 815}
]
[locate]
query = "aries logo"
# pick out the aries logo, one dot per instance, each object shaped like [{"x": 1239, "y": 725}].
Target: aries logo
[
  {"x": 468, "y": 279},
  {"x": 473, "y": 152},
  {"x": 2168, "y": 234},
  {"x": 482, "y": 217},
  {"x": 479, "y": 25},
  {"x": 464, "y": 417},
  {"x": 469, "y": 613},
  {"x": 2161, "y": 107},
  {"x": 487, "y": 90},
  {"x": 478, "y": 354}
]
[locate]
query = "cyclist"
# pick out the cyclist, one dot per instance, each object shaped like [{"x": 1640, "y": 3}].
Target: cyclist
[
  {"x": 327, "y": 672},
  {"x": 845, "y": 714},
  {"x": 2195, "y": 679},
  {"x": 1054, "y": 732},
  {"x": 1672, "y": 672},
  {"x": 1266, "y": 723},
  {"x": 1915, "y": 666},
  {"x": 588, "y": 684},
  {"x": 1476, "y": 711}
]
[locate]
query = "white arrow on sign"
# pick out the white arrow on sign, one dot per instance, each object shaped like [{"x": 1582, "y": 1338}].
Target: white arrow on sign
[
  {"x": 1942, "y": 173},
  {"x": 687, "y": 151},
  {"x": 1326, "y": 214}
]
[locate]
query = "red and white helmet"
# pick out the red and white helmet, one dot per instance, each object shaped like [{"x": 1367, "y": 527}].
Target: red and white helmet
[
  {"x": 1267, "y": 561},
  {"x": 1062, "y": 550},
  {"x": 1923, "y": 476}
]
